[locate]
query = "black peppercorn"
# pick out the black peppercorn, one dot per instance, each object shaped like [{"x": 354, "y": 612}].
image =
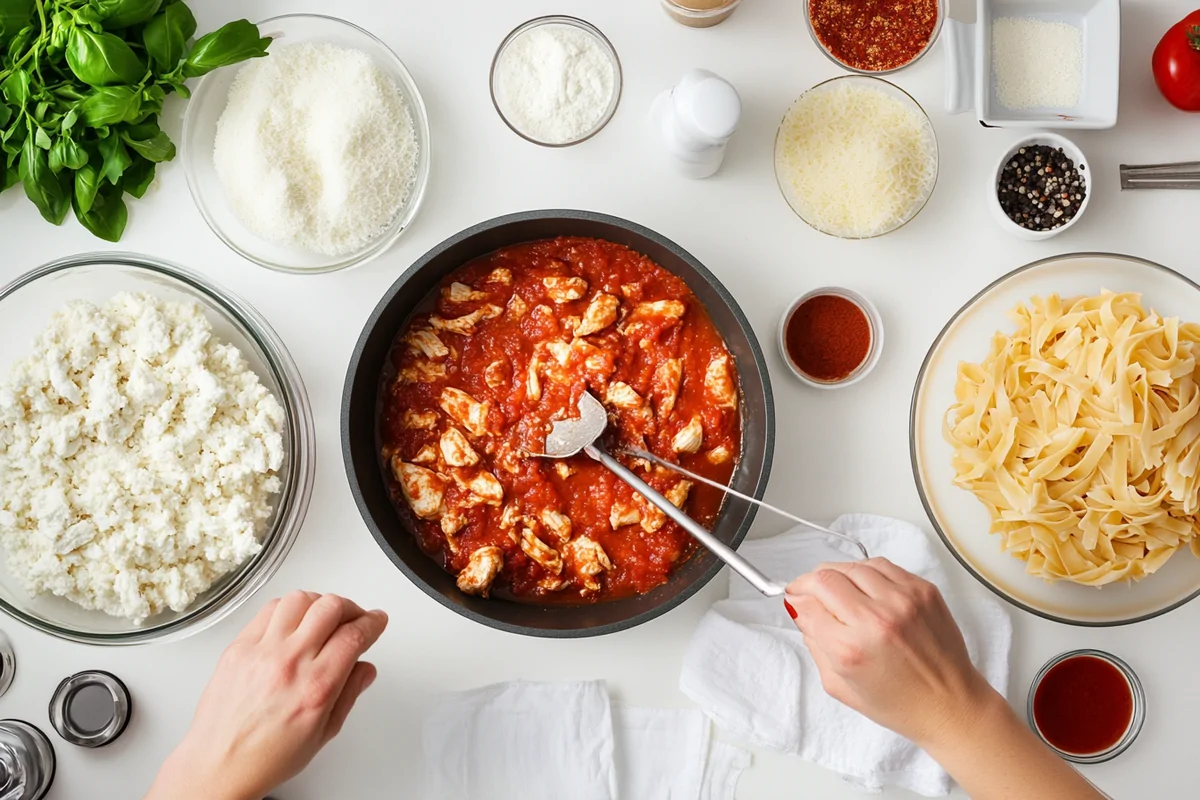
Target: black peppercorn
[{"x": 1037, "y": 175}]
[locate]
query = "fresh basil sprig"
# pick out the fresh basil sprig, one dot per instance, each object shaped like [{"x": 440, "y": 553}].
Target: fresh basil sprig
[{"x": 82, "y": 84}]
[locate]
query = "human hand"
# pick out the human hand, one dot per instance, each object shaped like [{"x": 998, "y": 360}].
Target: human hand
[
  {"x": 280, "y": 692},
  {"x": 886, "y": 646}
]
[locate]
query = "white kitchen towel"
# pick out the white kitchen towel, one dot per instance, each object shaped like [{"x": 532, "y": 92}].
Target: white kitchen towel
[
  {"x": 748, "y": 669},
  {"x": 550, "y": 741},
  {"x": 521, "y": 741}
]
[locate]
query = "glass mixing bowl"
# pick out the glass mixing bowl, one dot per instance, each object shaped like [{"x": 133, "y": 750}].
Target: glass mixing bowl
[
  {"x": 26, "y": 306},
  {"x": 200, "y": 130}
]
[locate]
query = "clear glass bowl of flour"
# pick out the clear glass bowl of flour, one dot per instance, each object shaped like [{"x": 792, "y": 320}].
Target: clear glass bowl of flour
[
  {"x": 26, "y": 308},
  {"x": 209, "y": 102},
  {"x": 556, "y": 81}
]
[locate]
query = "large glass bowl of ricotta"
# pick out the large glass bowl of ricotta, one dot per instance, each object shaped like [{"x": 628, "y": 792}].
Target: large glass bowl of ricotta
[
  {"x": 26, "y": 308},
  {"x": 209, "y": 101}
]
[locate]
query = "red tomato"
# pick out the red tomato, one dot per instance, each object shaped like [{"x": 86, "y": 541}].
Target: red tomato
[{"x": 1176, "y": 64}]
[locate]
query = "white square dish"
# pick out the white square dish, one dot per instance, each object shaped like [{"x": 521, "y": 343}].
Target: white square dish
[{"x": 970, "y": 83}]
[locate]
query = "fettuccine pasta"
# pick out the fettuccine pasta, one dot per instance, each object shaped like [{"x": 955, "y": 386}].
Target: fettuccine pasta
[{"x": 1080, "y": 432}]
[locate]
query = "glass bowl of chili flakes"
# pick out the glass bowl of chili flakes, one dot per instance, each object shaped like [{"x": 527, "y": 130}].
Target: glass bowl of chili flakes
[{"x": 875, "y": 37}]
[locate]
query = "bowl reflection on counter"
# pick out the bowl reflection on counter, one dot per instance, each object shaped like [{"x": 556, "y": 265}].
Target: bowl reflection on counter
[
  {"x": 26, "y": 307},
  {"x": 360, "y": 410}
]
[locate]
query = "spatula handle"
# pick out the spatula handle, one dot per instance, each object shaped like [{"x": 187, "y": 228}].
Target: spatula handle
[{"x": 718, "y": 548}]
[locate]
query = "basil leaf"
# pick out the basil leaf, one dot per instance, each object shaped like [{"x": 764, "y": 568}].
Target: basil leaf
[
  {"x": 42, "y": 139},
  {"x": 230, "y": 44},
  {"x": 8, "y": 177},
  {"x": 16, "y": 88},
  {"x": 149, "y": 141},
  {"x": 66, "y": 152},
  {"x": 123, "y": 13},
  {"x": 87, "y": 183},
  {"x": 68, "y": 121},
  {"x": 137, "y": 178},
  {"x": 103, "y": 59},
  {"x": 61, "y": 25},
  {"x": 14, "y": 15},
  {"x": 47, "y": 190},
  {"x": 116, "y": 158},
  {"x": 108, "y": 215},
  {"x": 6, "y": 114},
  {"x": 109, "y": 105},
  {"x": 166, "y": 36}
]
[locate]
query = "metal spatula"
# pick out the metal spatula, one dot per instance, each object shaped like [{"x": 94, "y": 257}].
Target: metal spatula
[{"x": 571, "y": 436}]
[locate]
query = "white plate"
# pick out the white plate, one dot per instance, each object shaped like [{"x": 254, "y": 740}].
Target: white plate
[{"x": 960, "y": 519}]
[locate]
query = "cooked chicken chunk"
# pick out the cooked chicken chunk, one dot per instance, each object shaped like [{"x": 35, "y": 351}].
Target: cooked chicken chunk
[
  {"x": 456, "y": 450},
  {"x": 553, "y": 583},
  {"x": 486, "y": 488},
  {"x": 601, "y": 313},
  {"x": 508, "y": 459},
  {"x": 564, "y": 290},
  {"x": 542, "y": 553},
  {"x": 589, "y": 560},
  {"x": 428, "y": 343},
  {"x": 653, "y": 517},
  {"x": 465, "y": 410},
  {"x": 630, "y": 290},
  {"x": 421, "y": 371},
  {"x": 623, "y": 514},
  {"x": 517, "y": 306},
  {"x": 481, "y": 570},
  {"x": 453, "y": 521},
  {"x": 500, "y": 275},
  {"x": 569, "y": 324},
  {"x": 658, "y": 309},
  {"x": 461, "y": 293},
  {"x": 426, "y": 455},
  {"x": 718, "y": 455},
  {"x": 666, "y": 385},
  {"x": 465, "y": 325},
  {"x": 533, "y": 383},
  {"x": 678, "y": 494},
  {"x": 422, "y": 488},
  {"x": 510, "y": 516},
  {"x": 621, "y": 395},
  {"x": 719, "y": 383},
  {"x": 419, "y": 420},
  {"x": 563, "y": 469},
  {"x": 496, "y": 374},
  {"x": 689, "y": 438},
  {"x": 557, "y": 523},
  {"x": 559, "y": 351}
]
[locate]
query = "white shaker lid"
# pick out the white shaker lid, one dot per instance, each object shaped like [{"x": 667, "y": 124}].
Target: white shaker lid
[{"x": 708, "y": 104}]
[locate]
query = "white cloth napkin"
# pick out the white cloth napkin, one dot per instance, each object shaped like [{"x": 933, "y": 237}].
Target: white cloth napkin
[
  {"x": 566, "y": 741},
  {"x": 748, "y": 669}
]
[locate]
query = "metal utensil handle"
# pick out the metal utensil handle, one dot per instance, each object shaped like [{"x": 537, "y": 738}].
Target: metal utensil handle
[
  {"x": 730, "y": 490},
  {"x": 1184, "y": 175},
  {"x": 718, "y": 548}
]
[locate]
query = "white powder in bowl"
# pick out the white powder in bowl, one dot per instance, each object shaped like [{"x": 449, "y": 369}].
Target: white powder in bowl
[
  {"x": 1037, "y": 64},
  {"x": 316, "y": 148},
  {"x": 554, "y": 83}
]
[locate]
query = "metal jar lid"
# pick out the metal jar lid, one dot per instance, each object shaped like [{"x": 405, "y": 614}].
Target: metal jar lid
[
  {"x": 91, "y": 709},
  {"x": 8, "y": 663},
  {"x": 27, "y": 761}
]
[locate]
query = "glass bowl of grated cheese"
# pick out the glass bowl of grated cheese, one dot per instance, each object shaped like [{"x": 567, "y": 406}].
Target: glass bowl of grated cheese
[
  {"x": 856, "y": 157},
  {"x": 315, "y": 158},
  {"x": 181, "y": 506}
]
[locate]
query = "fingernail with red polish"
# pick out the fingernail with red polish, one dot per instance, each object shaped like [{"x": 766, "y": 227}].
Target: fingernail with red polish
[{"x": 791, "y": 611}]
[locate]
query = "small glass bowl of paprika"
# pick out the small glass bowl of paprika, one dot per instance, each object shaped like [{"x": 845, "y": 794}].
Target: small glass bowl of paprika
[
  {"x": 875, "y": 37},
  {"x": 1087, "y": 705},
  {"x": 831, "y": 337}
]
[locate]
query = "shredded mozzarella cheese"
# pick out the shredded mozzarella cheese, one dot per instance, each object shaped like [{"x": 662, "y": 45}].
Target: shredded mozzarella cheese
[{"x": 855, "y": 161}]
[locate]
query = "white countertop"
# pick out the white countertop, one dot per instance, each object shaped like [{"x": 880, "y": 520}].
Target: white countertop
[{"x": 838, "y": 451}]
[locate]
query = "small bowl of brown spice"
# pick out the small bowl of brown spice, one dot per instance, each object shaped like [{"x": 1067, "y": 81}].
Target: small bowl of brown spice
[{"x": 831, "y": 337}]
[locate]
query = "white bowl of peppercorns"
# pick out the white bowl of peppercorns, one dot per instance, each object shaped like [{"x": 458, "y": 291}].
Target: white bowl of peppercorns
[{"x": 1041, "y": 187}]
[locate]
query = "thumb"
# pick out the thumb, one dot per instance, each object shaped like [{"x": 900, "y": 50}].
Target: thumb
[{"x": 361, "y": 677}]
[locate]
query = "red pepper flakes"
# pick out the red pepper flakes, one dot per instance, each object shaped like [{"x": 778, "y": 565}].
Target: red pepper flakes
[
  {"x": 874, "y": 35},
  {"x": 828, "y": 337}
]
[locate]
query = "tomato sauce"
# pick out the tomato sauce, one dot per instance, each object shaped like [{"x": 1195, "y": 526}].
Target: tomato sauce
[
  {"x": 522, "y": 324},
  {"x": 1083, "y": 705}
]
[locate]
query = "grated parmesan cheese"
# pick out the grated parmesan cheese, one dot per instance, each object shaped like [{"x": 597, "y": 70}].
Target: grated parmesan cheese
[
  {"x": 855, "y": 161},
  {"x": 316, "y": 148},
  {"x": 1037, "y": 64}
]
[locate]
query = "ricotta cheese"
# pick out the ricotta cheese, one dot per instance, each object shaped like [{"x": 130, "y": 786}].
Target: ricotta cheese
[{"x": 138, "y": 457}]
